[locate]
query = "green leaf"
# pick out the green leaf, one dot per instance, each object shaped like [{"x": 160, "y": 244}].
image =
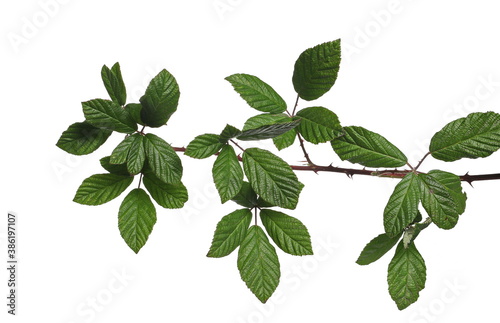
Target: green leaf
[
  {"x": 402, "y": 207},
  {"x": 227, "y": 174},
  {"x": 120, "y": 169},
  {"x": 136, "y": 219},
  {"x": 108, "y": 115},
  {"x": 82, "y": 138},
  {"x": 113, "y": 81},
  {"x": 162, "y": 159},
  {"x": 258, "y": 264},
  {"x": 289, "y": 234},
  {"x": 134, "y": 109},
  {"x": 120, "y": 153},
  {"x": 265, "y": 119},
  {"x": 160, "y": 100},
  {"x": 130, "y": 151},
  {"x": 376, "y": 248},
  {"x": 272, "y": 178},
  {"x": 316, "y": 70},
  {"x": 438, "y": 202},
  {"x": 230, "y": 232},
  {"x": 269, "y": 131},
  {"x": 101, "y": 188},
  {"x": 412, "y": 232},
  {"x": 406, "y": 275},
  {"x": 204, "y": 146},
  {"x": 229, "y": 132},
  {"x": 169, "y": 196},
  {"x": 246, "y": 196},
  {"x": 367, "y": 148},
  {"x": 318, "y": 125},
  {"x": 285, "y": 140},
  {"x": 258, "y": 94},
  {"x": 454, "y": 186},
  {"x": 475, "y": 136}
]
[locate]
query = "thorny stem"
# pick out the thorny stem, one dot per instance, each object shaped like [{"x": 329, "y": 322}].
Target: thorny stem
[
  {"x": 422, "y": 160},
  {"x": 388, "y": 173},
  {"x": 306, "y": 155}
]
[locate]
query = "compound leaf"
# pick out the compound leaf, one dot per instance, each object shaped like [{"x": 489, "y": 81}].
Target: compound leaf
[
  {"x": 82, "y": 138},
  {"x": 258, "y": 94},
  {"x": 474, "y": 136},
  {"x": 258, "y": 264},
  {"x": 367, "y": 148},
  {"x": 229, "y": 233},
  {"x": 289, "y": 234},
  {"x": 136, "y": 219},
  {"x": 316, "y": 70},
  {"x": 101, "y": 188}
]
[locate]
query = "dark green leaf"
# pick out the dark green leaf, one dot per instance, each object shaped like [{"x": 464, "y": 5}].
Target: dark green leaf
[
  {"x": 406, "y": 275},
  {"x": 120, "y": 153},
  {"x": 475, "y": 136},
  {"x": 258, "y": 264},
  {"x": 136, "y": 155},
  {"x": 316, "y": 70},
  {"x": 160, "y": 100},
  {"x": 162, "y": 159},
  {"x": 453, "y": 185},
  {"x": 134, "y": 109},
  {"x": 101, "y": 188},
  {"x": 204, "y": 146},
  {"x": 82, "y": 138},
  {"x": 438, "y": 202},
  {"x": 136, "y": 219},
  {"x": 318, "y": 125},
  {"x": 229, "y": 132},
  {"x": 402, "y": 207},
  {"x": 108, "y": 115},
  {"x": 272, "y": 178},
  {"x": 227, "y": 174},
  {"x": 367, "y": 148},
  {"x": 258, "y": 94},
  {"x": 170, "y": 196},
  {"x": 289, "y": 234},
  {"x": 113, "y": 81},
  {"x": 246, "y": 196},
  {"x": 285, "y": 140},
  {"x": 261, "y": 203},
  {"x": 376, "y": 248},
  {"x": 120, "y": 169},
  {"x": 230, "y": 232},
  {"x": 269, "y": 131}
]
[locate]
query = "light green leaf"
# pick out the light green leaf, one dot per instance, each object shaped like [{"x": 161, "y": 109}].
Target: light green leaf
[
  {"x": 376, "y": 248},
  {"x": 265, "y": 119},
  {"x": 438, "y": 202},
  {"x": 160, "y": 100},
  {"x": 230, "y": 232},
  {"x": 412, "y": 232},
  {"x": 120, "y": 169},
  {"x": 367, "y": 148},
  {"x": 258, "y": 94},
  {"x": 162, "y": 159},
  {"x": 475, "y": 136},
  {"x": 289, "y": 234},
  {"x": 402, "y": 207},
  {"x": 113, "y": 81},
  {"x": 169, "y": 196},
  {"x": 227, "y": 174},
  {"x": 258, "y": 264},
  {"x": 316, "y": 70},
  {"x": 272, "y": 178},
  {"x": 406, "y": 275},
  {"x": 246, "y": 196},
  {"x": 101, "y": 188},
  {"x": 454, "y": 186},
  {"x": 136, "y": 219},
  {"x": 109, "y": 115},
  {"x": 269, "y": 131},
  {"x": 204, "y": 146},
  {"x": 82, "y": 138},
  {"x": 318, "y": 125},
  {"x": 229, "y": 132}
]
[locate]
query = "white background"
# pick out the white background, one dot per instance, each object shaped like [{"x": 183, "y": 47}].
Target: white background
[{"x": 408, "y": 68}]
